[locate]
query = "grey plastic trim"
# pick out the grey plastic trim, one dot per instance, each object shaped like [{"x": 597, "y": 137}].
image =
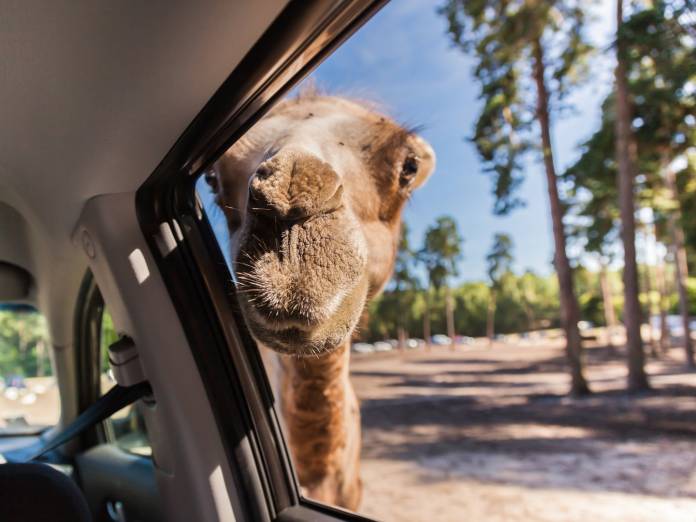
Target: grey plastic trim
[
  {"x": 191, "y": 466},
  {"x": 125, "y": 362}
]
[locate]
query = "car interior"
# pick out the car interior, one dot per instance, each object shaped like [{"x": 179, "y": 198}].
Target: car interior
[{"x": 111, "y": 114}]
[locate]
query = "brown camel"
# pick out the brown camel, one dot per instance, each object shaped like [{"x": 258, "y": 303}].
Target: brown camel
[{"x": 313, "y": 195}]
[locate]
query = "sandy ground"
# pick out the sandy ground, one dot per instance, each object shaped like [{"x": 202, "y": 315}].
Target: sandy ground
[
  {"x": 37, "y": 403},
  {"x": 489, "y": 434}
]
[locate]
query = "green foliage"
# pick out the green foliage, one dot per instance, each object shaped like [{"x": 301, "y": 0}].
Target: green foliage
[
  {"x": 686, "y": 188},
  {"x": 525, "y": 302},
  {"x": 594, "y": 194},
  {"x": 442, "y": 249},
  {"x": 499, "y": 259},
  {"x": 589, "y": 292},
  {"x": 23, "y": 344},
  {"x": 502, "y": 35},
  {"x": 659, "y": 44},
  {"x": 108, "y": 336}
]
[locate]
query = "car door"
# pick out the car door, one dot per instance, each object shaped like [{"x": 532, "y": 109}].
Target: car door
[{"x": 114, "y": 466}]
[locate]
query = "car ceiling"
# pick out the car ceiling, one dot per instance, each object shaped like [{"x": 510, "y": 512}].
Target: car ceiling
[{"x": 93, "y": 95}]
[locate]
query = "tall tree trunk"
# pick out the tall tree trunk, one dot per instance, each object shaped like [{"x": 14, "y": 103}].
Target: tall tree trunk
[
  {"x": 400, "y": 330},
  {"x": 625, "y": 155},
  {"x": 490, "y": 317},
  {"x": 648, "y": 290},
  {"x": 570, "y": 311},
  {"x": 449, "y": 315},
  {"x": 426, "y": 319},
  {"x": 40, "y": 358},
  {"x": 401, "y": 336},
  {"x": 647, "y": 287},
  {"x": 608, "y": 304},
  {"x": 526, "y": 303},
  {"x": 662, "y": 289},
  {"x": 680, "y": 265}
]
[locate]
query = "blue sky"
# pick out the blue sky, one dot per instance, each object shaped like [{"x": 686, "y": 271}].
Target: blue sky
[{"x": 403, "y": 60}]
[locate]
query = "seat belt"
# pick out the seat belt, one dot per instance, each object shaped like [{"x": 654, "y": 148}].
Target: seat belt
[{"x": 115, "y": 399}]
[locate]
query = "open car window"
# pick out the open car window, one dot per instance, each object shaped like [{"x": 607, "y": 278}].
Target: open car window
[
  {"x": 125, "y": 428},
  {"x": 29, "y": 400}
]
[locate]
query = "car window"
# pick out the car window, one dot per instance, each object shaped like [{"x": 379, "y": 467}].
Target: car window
[
  {"x": 465, "y": 253},
  {"x": 125, "y": 428},
  {"x": 29, "y": 398}
]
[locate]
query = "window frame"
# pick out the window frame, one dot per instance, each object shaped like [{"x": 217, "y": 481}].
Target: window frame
[
  {"x": 88, "y": 321},
  {"x": 89, "y": 311},
  {"x": 296, "y": 42}
]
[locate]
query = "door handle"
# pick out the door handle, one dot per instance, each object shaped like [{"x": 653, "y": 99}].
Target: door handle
[{"x": 116, "y": 511}]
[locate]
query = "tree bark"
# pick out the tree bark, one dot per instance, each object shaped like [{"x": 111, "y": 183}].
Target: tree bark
[
  {"x": 526, "y": 302},
  {"x": 426, "y": 320},
  {"x": 490, "y": 317},
  {"x": 570, "y": 311},
  {"x": 680, "y": 265},
  {"x": 647, "y": 288},
  {"x": 608, "y": 304},
  {"x": 401, "y": 336},
  {"x": 449, "y": 315},
  {"x": 40, "y": 358},
  {"x": 400, "y": 328},
  {"x": 625, "y": 156},
  {"x": 662, "y": 289}
]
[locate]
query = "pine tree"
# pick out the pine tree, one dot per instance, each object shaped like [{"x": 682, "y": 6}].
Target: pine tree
[{"x": 518, "y": 44}]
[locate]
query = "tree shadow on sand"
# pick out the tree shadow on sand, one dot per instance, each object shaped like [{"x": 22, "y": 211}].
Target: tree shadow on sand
[{"x": 609, "y": 441}]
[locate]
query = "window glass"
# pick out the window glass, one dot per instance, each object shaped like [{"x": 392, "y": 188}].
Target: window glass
[
  {"x": 125, "y": 428},
  {"x": 473, "y": 337},
  {"x": 29, "y": 397}
]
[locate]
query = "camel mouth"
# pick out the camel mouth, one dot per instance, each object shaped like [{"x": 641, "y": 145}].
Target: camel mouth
[
  {"x": 302, "y": 287},
  {"x": 295, "y": 341}
]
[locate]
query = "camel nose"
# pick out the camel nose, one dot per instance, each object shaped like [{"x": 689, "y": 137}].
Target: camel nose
[{"x": 294, "y": 185}]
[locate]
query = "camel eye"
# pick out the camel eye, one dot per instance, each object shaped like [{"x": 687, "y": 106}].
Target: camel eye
[
  {"x": 211, "y": 179},
  {"x": 409, "y": 170}
]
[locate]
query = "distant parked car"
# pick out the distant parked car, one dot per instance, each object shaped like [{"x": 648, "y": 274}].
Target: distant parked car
[
  {"x": 382, "y": 346},
  {"x": 674, "y": 325},
  {"x": 394, "y": 342},
  {"x": 440, "y": 340},
  {"x": 464, "y": 339},
  {"x": 414, "y": 343},
  {"x": 362, "y": 348},
  {"x": 585, "y": 325},
  {"x": 15, "y": 381}
]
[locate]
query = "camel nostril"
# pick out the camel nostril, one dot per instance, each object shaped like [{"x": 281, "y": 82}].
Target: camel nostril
[
  {"x": 335, "y": 201},
  {"x": 263, "y": 171}
]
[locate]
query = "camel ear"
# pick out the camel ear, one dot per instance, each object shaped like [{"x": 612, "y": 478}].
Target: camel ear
[{"x": 426, "y": 157}]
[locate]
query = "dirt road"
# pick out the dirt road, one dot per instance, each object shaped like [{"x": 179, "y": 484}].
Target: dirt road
[{"x": 488, "y": 434}]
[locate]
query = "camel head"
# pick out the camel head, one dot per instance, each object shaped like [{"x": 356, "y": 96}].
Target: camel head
[{"x": 313, "y": 196}]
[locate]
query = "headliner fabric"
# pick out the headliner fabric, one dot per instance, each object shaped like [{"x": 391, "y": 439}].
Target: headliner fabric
[{"x": 39, "y": 493}]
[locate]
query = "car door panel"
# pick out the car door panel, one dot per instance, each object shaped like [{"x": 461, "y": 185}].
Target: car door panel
[{"x": 109, "y": 475}]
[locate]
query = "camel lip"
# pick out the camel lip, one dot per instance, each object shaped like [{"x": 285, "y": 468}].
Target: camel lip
[
  {"x": 269, "y": 321},
  {"x": 288, "y": 324},
  {"x": 290, "y": 340}
]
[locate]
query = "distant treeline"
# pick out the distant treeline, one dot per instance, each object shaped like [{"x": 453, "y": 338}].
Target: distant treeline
[
  {"x": 23, "y": 344},
  {"x": 524, "y": 303}
]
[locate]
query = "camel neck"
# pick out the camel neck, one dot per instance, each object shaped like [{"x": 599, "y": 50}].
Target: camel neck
[{"x": 315, "y": 401}]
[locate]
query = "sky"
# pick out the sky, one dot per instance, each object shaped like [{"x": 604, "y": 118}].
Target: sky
[{"x": 403, "y": 60}]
